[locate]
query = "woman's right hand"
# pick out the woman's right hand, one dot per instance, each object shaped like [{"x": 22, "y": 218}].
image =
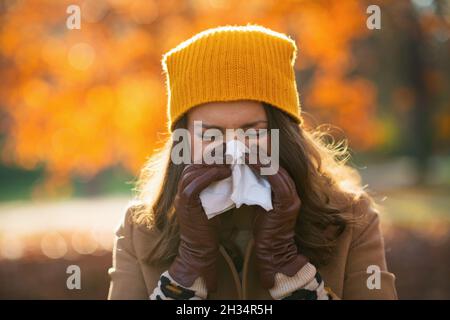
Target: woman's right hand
[{"x": 199, "y": 236}]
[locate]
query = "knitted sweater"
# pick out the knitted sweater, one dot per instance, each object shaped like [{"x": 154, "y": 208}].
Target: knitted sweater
[{"x": 235, "y": 234}]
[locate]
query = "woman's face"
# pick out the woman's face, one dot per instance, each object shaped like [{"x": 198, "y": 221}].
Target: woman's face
[{"x": 220, "y": 116}]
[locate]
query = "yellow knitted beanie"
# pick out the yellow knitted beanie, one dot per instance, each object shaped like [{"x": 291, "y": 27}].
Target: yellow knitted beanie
[{"x": 232, "y": 63}]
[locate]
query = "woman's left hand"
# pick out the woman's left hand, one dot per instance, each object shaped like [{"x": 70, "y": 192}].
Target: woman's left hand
[{"x": 273, "y": 231}]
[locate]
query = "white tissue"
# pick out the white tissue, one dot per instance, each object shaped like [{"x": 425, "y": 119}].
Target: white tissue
[{"x": 242, "y": 187}]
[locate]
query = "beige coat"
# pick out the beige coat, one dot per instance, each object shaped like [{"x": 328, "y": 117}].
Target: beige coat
[{"x": 359, "y": 247}]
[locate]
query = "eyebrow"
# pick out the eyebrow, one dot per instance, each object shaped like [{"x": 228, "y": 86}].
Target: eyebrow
[{"x": 245, "y": 125}]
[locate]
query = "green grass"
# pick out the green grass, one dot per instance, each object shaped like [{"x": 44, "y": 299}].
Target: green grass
[{"x": 18, "y": 184}]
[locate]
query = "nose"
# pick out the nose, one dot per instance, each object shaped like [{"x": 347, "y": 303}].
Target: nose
[{"x": 227, "y": 153}]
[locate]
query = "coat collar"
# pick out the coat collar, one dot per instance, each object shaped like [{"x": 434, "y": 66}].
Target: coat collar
[
  {"x": 232, "y": 287},
  {"x": 249, "y": 287}
]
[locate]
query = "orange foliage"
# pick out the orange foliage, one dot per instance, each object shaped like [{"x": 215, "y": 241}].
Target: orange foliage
[{"x": 79, "y": 101}]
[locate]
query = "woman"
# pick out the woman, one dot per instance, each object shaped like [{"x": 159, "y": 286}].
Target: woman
[{"x": 322, "y": 238}]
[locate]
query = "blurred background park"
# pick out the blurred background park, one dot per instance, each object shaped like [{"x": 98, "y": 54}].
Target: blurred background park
[{"x": 81, "y": 111}]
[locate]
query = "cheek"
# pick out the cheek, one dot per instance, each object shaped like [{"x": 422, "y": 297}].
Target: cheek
[
  {"x": 267, "y": 145},
  {"x": 196, "y": 148},
  {"x": 200, "y": 147},
  {"x": 263, "y": 143}
]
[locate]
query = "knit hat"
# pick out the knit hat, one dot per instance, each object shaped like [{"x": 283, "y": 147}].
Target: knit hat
[{"x": 232, "y": 63}]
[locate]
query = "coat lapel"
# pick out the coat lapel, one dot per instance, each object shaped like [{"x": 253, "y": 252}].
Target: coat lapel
[
  {"x": 229, "y": 286},
  {"x": 251, "y": 286}
]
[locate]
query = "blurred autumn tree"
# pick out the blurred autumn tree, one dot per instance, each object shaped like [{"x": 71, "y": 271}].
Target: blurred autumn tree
[{"x": 80, "y": 101}]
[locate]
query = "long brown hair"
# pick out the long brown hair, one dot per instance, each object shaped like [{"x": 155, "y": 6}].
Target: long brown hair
[{"x": 327, "y": 187}]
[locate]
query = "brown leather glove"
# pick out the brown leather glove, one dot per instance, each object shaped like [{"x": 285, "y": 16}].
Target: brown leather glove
[
  {"x": 199, "y": 236},
  {"x": 273, "y": 231}
]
